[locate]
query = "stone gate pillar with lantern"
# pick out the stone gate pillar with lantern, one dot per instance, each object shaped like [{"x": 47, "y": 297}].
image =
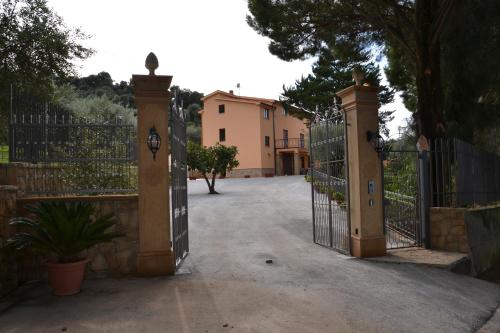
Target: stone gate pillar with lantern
[
  {"x": 152, "y": 99},
  {"x": 360, "y": 104}
]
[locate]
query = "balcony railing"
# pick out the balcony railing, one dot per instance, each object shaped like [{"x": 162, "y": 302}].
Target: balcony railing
[{"x": 290, "y": 143}]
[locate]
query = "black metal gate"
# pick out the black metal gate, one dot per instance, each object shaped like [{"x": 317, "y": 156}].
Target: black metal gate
[
  {"x": 178, "y": 169},
  {"x": 402, "y": 220},
  {"x": 329, "y": 181}
]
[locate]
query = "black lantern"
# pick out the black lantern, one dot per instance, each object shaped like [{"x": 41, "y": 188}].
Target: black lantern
[
  {"x": 154, "y": 141},
  {"x": 376, "y": 140}
]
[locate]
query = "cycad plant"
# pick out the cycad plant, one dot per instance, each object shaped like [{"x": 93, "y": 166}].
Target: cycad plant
[{"x": 65, "y": 229}]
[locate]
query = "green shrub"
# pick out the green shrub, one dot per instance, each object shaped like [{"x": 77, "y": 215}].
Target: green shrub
[{"x": 64, "y": 229}]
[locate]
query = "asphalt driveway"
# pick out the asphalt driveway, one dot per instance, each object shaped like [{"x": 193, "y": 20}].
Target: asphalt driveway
[{"x": 307, "y": 288}]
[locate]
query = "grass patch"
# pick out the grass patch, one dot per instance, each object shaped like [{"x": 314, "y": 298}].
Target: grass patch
[{"x": 4, "y": 154}]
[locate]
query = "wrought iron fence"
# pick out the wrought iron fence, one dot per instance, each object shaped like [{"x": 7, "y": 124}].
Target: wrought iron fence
[
  {"x": 328, "y": 176},
  {"x": 402, "y": 221},
  {"x": 290, "y": 143},
  {"x": 65, "y": 154},
  {"x": 462, "y": 174}
]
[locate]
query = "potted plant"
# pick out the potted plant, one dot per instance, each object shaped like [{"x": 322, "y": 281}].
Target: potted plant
[{"x": 64, "y": 230}]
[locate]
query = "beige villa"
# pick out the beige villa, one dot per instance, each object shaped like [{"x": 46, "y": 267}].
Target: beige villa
[{"x": 270, "y": 141}]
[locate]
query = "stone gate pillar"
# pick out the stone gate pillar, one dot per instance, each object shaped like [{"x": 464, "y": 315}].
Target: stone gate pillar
[
  {"x": 365, "y": 184},
  {"x": 152, "y": 99}
]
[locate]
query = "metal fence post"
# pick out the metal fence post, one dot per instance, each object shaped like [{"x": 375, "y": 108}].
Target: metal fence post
[
  {"x": 329, "y": 173},
  {"x": 11, "y": 125},
  {"x": 424, "y": 191},
  {"x": 311, "y": 173}
]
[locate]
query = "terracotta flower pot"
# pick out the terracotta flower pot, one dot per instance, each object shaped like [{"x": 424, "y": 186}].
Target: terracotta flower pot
[{"x": 66, "y": 279}]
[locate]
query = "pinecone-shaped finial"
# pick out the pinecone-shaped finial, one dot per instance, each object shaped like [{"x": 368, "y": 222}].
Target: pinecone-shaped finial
[
  {"x": 357, "y": 75},
  {"x": 151, "y": 63}
]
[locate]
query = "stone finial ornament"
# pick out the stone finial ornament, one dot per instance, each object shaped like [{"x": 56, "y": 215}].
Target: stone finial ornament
[
  {"x": 357, "y": 76},
  {"x": 422, "y": 144},
  {"x": 151, "y": 63}
]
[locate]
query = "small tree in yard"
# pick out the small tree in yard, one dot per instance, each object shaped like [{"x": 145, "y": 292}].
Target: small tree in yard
[{"x": 211, "y": 161}]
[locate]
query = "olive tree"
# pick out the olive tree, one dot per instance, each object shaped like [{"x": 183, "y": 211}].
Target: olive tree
[{"x": 211, "y": 161}]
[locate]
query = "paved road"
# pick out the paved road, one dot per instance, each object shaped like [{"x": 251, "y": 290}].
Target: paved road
[{"x": 308, "y": 288}]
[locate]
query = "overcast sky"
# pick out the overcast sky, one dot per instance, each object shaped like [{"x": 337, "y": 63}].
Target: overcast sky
[{"x": 205, "y": 45}]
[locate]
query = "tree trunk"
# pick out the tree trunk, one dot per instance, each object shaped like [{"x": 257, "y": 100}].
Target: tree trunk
[
  {"x": 212, "y": 187},
  {"x": 429, "y": 116}
]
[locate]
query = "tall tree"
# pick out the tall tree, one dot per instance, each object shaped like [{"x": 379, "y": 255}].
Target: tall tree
[
  {"x": 97, "y": 85},
  {"x": 211, "y": 161},
  {"x": 301, "y": 28},
  {"x": 471, "y": 73},
  {"x": 35, "y": 47},
  {"x": 330, "y": 75}
]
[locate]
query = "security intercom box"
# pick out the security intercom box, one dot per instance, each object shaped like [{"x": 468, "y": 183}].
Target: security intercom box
[{"x": 371, "y": 187}]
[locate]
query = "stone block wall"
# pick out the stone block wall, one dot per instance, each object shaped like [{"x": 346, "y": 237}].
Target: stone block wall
[
  {"x": 447, "y": 227},
  {"x": 32, "y": 178},
  {"x": 8, "y": 265},
  {"x": 117, "y": 258},
  {"x": 250, "y": 173},
  {"x": 483, "y": 229}
]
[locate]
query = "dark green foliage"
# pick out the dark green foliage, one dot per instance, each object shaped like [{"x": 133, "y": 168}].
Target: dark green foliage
[
  {"x": 211, "y": 161},
  {"x": 471, "y": 73},
  {"x": 193, "y": 133},
  {"x": 408, "y": 32},
  {"x": 401, "y": 75},
  {"x": 400, "y": 174},
  {"x": 35, "y": 47},
  {"x": 192, "y": 103},
  {"x": 318, "y": 90},
  {"x": 102, "y": 85},
  {"x": 65, "y": 229},
  {"x": 187, "y": 96},
  {"x": 192, "y": 115}
]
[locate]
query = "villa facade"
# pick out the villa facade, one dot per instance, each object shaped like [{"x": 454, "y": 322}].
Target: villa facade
[{"x": 270, "y": 141}]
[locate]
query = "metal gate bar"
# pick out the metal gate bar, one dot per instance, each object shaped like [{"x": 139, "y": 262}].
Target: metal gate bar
[
  {"x": 403, "y": 227},
  {"x": 329, "y": 181},
  {"x": 178, "y": 140}
]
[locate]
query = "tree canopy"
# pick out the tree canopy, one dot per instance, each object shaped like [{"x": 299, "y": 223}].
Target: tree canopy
[
  {"x": 211, "y": 161},
  {"x": 471, "y": 72},
  {"x": 330, "y": 75},
  {"x": 408, "y": 32},
  {"x": 35, "y": 48}
]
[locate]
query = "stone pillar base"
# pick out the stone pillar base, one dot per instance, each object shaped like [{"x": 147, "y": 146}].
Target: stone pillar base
[
  {"x": 158, "y": 263},
  {"x": 368, "y": 247}
]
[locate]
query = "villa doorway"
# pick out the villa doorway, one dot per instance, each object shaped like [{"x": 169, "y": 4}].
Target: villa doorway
[{"x": 287, "y": 159}]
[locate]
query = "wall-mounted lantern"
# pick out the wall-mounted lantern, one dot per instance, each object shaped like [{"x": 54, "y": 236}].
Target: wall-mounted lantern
[
  {"x": 376, "y": 140},
  {"x": 154, "y": 141}
]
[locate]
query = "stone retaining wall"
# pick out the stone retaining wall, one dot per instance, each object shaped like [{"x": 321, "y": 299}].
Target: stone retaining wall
[
  {"x": 8, "y": 266},
  {"x": 448, "y": 229},
  {"x": 30, "y": 177},
  {"x": 117, "y": 258},
  {"x": 475, "y": 231},
  {"x": 483, "y": 229},
  {"x": 250, "y": 173}
]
